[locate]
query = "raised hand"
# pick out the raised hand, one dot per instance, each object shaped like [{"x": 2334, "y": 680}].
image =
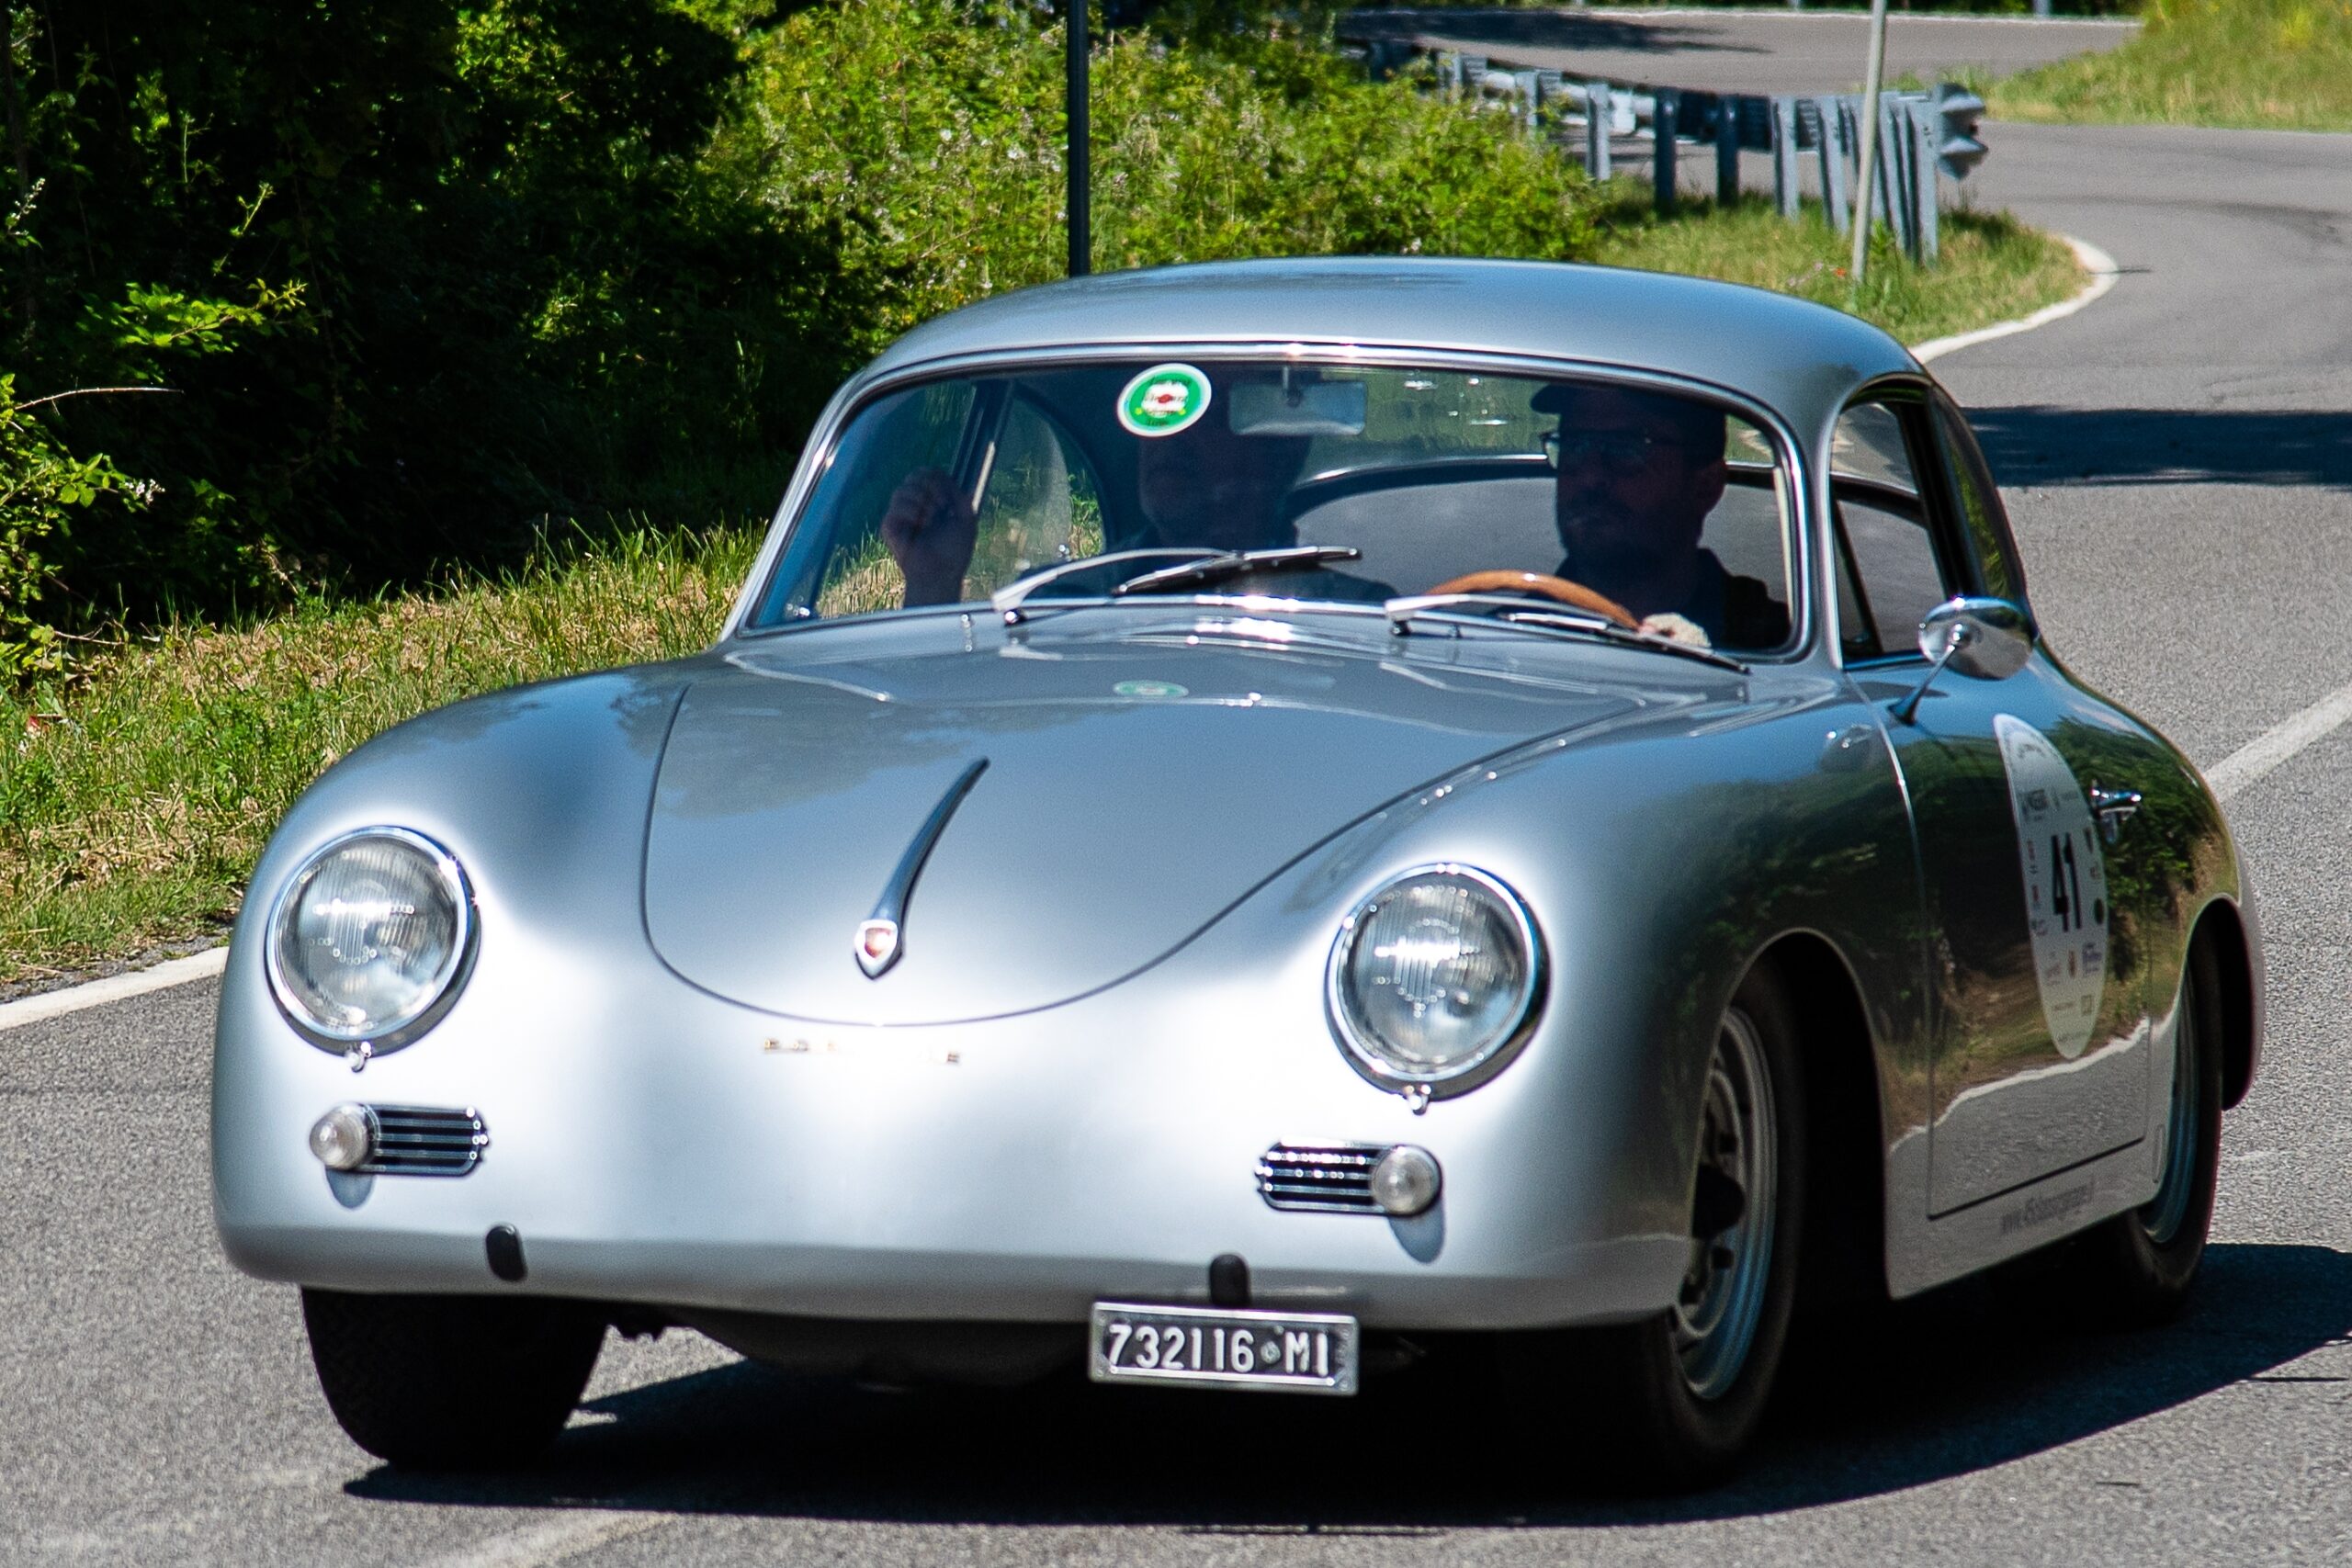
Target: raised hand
[{"x": 930, "y": 530}]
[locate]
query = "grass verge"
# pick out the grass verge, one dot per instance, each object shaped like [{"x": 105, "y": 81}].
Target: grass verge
[
  {"x": 134, "y": 800},
  {"x": 2251, "y": 64},
  {"x": 1992, "y": 268},
  {"x": 133, "y": 803}
]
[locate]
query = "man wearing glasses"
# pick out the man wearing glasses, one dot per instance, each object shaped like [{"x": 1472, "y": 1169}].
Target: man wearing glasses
[{"x": 1637, "y": 474}]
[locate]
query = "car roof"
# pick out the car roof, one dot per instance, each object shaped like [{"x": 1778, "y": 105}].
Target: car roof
[{"x": 1799, "y": 358}]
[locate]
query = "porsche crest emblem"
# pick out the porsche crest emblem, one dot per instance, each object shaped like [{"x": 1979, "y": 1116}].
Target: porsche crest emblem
[{"x": 878, "y": 946}]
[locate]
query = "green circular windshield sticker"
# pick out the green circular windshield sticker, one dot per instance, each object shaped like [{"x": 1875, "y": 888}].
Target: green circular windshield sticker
[
  {"x": 1164, "y": 400},
  {"x": 1149, "y": 689}
]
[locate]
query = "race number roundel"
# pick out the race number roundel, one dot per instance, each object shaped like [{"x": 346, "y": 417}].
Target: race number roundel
[
  {"x": 1164, "y": 400},
  {"x": 2066, "y": 882}
]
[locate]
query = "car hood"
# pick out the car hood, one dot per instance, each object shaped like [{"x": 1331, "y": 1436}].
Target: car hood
[{"x": 1133, "y": 792}]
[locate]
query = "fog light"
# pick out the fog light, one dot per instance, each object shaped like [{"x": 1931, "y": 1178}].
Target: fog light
[
  {"x": 345, "y": 1138},
  {"x": 1405, "y": 1180}
]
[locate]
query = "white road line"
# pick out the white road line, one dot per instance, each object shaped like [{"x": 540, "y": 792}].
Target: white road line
[
  {"x": 113, "y": 988},
  {"x": 2276, "y": 744},
  {"x": 2098, "y": 263},
  {"x": 551, "y": 1540}
]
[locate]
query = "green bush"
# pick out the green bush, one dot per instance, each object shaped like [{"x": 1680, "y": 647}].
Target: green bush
[
  {"x": 932, "y": 148},
  {"x": 423, "y": 273}
]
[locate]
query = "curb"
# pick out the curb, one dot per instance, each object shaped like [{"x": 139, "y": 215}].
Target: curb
[
  {"x": 2098, "y": 263},
  {"x": 43, "y": 1005}
]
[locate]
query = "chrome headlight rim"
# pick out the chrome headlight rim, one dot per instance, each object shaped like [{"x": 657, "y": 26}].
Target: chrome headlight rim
[
  {"x": 449, "y": 981},
  {"x": 1475, "y": 1069}
]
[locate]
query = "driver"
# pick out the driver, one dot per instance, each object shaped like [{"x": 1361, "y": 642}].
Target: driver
[
  {"x": 1203, "y": 486},
  {"x": 1639, "y": 472}
]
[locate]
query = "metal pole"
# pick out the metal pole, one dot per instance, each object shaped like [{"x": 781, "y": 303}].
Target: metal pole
[
  {"x": 1077, "y": 165},
  {"x": 1832, "y": 115},
  {"x": 1726, "y": 152},
  {"x": 1784, "y": 157},
  {"x": 1863, "y": 182},
  {"x": 1597, "y": 110},
  {"x": 1666, "y": 115}
]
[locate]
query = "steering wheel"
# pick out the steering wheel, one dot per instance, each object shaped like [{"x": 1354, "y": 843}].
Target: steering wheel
[{"x": 1574, "y": 594}]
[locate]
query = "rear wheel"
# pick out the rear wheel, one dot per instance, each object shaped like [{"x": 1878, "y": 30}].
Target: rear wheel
[
  {"x": 2140, "y": 1265},
  {"x": 447, "y": 1382},
  {"x": 1672, "y": 1402}
]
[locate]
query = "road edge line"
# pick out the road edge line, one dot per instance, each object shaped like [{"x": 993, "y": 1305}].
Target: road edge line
[
  {"x": 2098, "y": 263},
  {"x": 2279, "y": 744},
  {"x": 44, "y": 1005}
]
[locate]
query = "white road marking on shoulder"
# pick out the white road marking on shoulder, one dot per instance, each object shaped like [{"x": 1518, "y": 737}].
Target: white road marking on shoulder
[
  {"x": 113, "y": 988},
  {"x": 2098, "y": 263},
  {"x": 2281, "y": 742},
  {"x": 551, "y": 1540}
]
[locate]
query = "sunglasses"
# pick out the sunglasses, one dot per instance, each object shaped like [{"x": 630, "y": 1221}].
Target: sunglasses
[{"x": 1618, "y": 451}]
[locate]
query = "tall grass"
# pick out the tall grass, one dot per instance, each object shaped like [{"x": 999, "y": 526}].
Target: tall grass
[
  {"x": 133, "y": 803},
  {"x": 2284, "y": 64}
]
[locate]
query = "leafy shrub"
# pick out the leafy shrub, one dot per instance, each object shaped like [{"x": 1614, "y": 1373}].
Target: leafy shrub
[
  {"x": 425, "y": 272},
  {"x": 932, "y": 147}
]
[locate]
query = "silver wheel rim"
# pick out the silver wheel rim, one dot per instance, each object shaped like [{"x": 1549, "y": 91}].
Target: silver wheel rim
[
  {"x": 2160, "y": 1217},
  {"x": 1722, "y": 1294}
]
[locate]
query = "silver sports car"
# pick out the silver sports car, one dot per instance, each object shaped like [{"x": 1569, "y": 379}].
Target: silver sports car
[{"x": 1251, "y": 820}]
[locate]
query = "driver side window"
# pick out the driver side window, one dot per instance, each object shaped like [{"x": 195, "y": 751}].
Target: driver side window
[{"x": 1891, "y": 569}]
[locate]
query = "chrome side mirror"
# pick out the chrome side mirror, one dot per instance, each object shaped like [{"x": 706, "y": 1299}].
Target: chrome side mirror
[{"x": 1986, "y": 639}]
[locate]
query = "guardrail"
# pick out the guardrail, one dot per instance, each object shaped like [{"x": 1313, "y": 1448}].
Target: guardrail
[{"x": 1920, "y": 135}]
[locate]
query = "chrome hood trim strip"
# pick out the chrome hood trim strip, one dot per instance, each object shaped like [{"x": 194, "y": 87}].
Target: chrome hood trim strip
[{"x": 879, "y": 938}]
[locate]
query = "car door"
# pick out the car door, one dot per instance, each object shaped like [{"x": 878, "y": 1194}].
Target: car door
[{"x": 2039, "y": 1058}]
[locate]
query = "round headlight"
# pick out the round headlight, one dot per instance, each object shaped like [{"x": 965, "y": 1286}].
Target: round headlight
[
  {"x": 370, "y": 936},
  {"x": 1435, "y": 978}
]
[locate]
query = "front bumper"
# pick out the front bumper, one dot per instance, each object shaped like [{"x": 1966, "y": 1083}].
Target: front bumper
[{"x": 654, "y": 1144}]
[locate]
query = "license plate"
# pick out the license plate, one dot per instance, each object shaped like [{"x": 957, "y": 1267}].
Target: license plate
[{"x": 1300, "y": 1352}]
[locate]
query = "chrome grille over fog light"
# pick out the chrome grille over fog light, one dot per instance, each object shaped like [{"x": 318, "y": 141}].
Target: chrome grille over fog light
[
  {"x": 400, "y": 1140},
  {"x": 1348, "y": 1178}
]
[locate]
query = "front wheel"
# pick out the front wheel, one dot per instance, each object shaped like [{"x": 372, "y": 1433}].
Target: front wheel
[
  {"x": 2139, "y": 1266},
  {"x": 450, "y": 1382},
  {"x": 1672, "y": 1402}
]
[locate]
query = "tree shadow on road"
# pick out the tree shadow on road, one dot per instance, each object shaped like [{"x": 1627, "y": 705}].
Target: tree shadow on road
[
  {"x": 2040, "y": 446},
  {"x": 1978, "y": 1375}
]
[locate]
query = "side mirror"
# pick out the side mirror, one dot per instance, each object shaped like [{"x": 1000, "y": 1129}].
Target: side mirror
[{"x": 1986, "y": 639}]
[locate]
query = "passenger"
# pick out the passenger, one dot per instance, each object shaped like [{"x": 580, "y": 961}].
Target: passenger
[
  {"x": 1639, "y": 472},
  {"x": 1205, "y": 486}
]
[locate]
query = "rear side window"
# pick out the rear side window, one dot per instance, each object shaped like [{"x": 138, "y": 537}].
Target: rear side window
[{"x": 1890, "y": 570}]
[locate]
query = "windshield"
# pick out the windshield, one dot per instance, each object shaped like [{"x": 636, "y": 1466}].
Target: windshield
[{"x": 1414, "y": 479}]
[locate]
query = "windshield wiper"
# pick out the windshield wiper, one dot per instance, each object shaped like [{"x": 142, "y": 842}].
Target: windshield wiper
[
  {"x": 1215, "y": 566},
  {"x": 1401, "y": 613},
  {"x": 1006, "y": 600}
]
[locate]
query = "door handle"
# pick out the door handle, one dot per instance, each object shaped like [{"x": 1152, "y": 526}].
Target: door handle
[
  {"x": 2113, "y": 807},
  {"x": 1842, "y": 750}
]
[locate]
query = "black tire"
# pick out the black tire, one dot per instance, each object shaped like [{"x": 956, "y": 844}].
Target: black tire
[
  {"x": 451, "y": 1383},
  {"x": 1654, "y": 1416},
  {"x": 2138, "y": 1267}
]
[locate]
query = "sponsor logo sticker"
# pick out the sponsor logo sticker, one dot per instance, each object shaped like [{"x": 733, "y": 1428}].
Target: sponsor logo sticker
[
  {"x": 1164, "y": 400},
  {"x": 2066, "y": 882},
  {"x": 1150, "y": 689}
]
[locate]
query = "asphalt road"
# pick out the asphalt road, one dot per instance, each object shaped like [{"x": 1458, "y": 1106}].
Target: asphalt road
[
  {"x": 2180, "y": 465},
  {"x": 1739, "y": 51}
]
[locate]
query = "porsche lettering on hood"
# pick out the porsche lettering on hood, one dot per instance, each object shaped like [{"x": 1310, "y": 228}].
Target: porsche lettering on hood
[{"x": 1111, "y": 822}]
